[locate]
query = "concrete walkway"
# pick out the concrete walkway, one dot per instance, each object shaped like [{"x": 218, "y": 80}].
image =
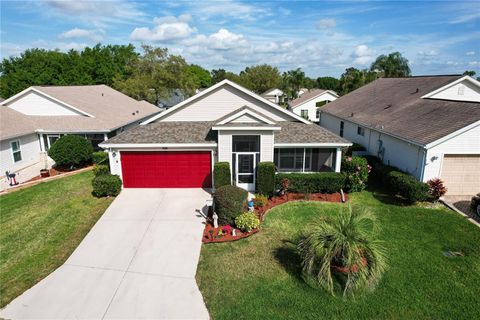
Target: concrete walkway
[{"x": 138, "y": 262}]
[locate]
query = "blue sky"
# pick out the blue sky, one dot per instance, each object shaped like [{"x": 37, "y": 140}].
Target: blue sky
[{"x": 323, "y": 38}]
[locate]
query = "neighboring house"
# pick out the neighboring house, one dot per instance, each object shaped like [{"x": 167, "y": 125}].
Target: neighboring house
[
  {"x": 226, "y": 122},
  {"x": 274, "y": 95},
  {"x": 308, "y": 104},
  {"x": 32, "y": 120},
  {"x": 427, "y": 126}
]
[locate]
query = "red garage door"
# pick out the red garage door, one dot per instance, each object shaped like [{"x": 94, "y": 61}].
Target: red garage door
[{"x": 172, "y": 169}]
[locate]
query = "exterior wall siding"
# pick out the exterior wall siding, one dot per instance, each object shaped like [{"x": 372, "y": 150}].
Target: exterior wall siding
[
  {"x": 463, "y": 91},
  {"x": 35, "y": 104},
  {"x": 311, "y": 106},
  {"x": 30, "y": 150},
  {"x": 221, "y": 102}
]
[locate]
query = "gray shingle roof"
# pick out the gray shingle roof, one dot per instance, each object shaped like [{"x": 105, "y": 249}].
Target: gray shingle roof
[
  {"x": 395, "y": 106},
  {"x": 306, "y": 96},
  {"x": 297, "y": 132},
  {"x": 168, "y": 132}
]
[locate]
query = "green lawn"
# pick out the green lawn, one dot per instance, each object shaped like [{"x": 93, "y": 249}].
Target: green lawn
[
  {"x": 259, "y": 277},
  {"x": 40, "y": 226}
]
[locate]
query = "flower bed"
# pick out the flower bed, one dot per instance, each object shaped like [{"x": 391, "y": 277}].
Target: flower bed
[{"x": 225, "y": 233}]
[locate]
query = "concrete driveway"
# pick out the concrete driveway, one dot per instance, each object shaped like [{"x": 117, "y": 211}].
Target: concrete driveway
[{"x": 137, "y": 262}]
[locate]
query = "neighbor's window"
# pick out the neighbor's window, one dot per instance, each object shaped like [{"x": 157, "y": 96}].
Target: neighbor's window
[
  {"x": 317, "y": 114},
  {"x": 304, "y": 113},
  {"x": 342, "y": 125},
  {"x": 360, "y": 131},
  {"x": 17, "y": 153}
]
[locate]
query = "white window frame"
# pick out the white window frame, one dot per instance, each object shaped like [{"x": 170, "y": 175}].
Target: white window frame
[
  {"x": 301, "y": 113},
  {"x": 361, "y": 131},
  {"x": 304, "y": 156},
  {"x": 19, "y": 150},
  {"x": 53, "y": 136}
]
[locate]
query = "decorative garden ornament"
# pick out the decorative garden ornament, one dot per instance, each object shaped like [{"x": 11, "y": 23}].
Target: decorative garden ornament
[{"x": 215, "y": 220}]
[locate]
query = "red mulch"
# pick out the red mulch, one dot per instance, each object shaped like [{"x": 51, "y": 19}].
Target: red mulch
[
  {"x": 210, "y": 234},
  {"x": 53, "y": 172}
]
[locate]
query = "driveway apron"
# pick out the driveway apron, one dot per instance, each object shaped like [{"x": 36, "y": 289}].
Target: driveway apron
[{"x": 138, "y": 262}]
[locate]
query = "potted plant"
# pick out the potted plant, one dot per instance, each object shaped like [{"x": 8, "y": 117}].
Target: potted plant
[{"x": 44, "y": 173}]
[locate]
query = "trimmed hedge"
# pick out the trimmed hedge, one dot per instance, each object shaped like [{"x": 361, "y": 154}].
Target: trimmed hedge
[
  {"x": 106, "y": 185},
  {"x": 71, "y": 151},
  {"x": 221, "y": 174},
  {"x": 265, "y": 183},
  {"x": 100, "y": 157},
  {"x": 320, "y": 182},
  {"x": 408, "y": 187},
  {"x": 99, "y": 169},
  {"x": 230, "y": 202}
]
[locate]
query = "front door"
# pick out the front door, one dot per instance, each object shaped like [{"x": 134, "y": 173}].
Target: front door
[{"x": 245, "y": 170}]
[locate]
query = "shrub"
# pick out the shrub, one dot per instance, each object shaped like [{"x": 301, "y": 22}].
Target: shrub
[
  {"x": 261, "y": 200},
  {"x": 319, "y": 182},
  {"x": 230, "y": 201},
  {"x": 436, "y": 188},
  {"x": 221, "y": 174},
  {"x": 352, "y": 148},
  {"x": 341, "y": 251},
  {"x": 407, "y": 186},
  {"x": 71, "y": 151},
  {"x": 106, "y": 185},
  {"x": 265, "y": 183},
  {"x": 99, "y": 169},
  {"x": 100, "y": 157},
  {"x": 247, "y": 221},
  {"x": 356, "y": 171}
]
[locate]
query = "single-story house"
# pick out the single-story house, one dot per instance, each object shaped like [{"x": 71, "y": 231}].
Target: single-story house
[
  {"x": 274, "y": 95},
  {"x": 428, "y": 126},
  {"x": 308, "y": 104},
  {"x": 226, "y": 122},
  {"x": 32, "y": 120}
]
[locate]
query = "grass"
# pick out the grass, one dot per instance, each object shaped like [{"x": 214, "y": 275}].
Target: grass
[
  {"x": 40, "y": 227},
  {"x": 260, "y": 277}
]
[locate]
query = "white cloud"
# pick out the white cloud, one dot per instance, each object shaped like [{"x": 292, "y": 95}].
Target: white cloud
[
  {"x": 363, "y": 55},
  {"x": 328, "y": 23},
  {"x": 166, "y": 29},
  {"x": 225, "y": 40},
  {"x": 228, "y": 8},
  {"x": 430, "y": 53},
  {"x": 470, "y": 53},
  {"x": 284, "y": 11},
  {"x": 77, "y": 33},
  {"x": 474, "y": 63}
]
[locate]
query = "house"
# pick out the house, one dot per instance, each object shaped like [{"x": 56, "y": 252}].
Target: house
[
  {"x": 428, "y": 126},
  {"x": 32, "y": 120},
  {"x": 308, "y": 104},
  {"x": 274, "y": 95},
  {"x": 226, "y": 122}
]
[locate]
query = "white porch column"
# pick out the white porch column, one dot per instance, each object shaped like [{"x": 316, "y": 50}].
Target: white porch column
[
  {"x": 338, "y": 159},
  {"x": 42, "y": 143},
  {"x": 105, "y": 137}
]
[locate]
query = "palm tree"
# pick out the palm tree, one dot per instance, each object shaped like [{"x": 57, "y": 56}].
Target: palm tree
[
  {"x": 391, "y": 66},
  {"x": 341, "y": 252},
  {"x": 293, "y": 80}
]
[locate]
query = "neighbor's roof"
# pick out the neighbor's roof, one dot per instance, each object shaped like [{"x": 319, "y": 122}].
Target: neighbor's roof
[
  {"x": 309, "y": 95},
  {"x": 167, "y": 132},
  {"x": 395, "y": 106},
  {"x": 110, "y": 109},
  {"x": 14, "y": 124},
  {"x": 296, "y": 132},
  {"x": 270, "y": 91}
]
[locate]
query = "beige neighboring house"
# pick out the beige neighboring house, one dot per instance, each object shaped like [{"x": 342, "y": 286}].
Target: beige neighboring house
[
  {"x": 274, "y": 95},
  {"x": 32, "y": 120},
  {"x": 308, "y": 103}
]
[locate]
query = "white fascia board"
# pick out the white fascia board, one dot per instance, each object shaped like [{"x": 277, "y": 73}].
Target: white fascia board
[
  {"x": 247, "y": 128},
  {"x": 313, "y": 144},
  {"x": 243, "y": 112},
  {"x": 214, "y": 87},
  {"x": 452, "y": 135},
  {"x": 20, "y": 94},
  {"x": 156, "y": 145},
  {"x": 70, "y": 131},
  {"x": 451, "y": 84}
]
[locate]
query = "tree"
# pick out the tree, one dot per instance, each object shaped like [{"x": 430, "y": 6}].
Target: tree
[
  {"x": 353, "y": 79},
  {"x": 155, "y": 75},
  {"x": 201, "y": 77},
  {"x": 328, "y": 83},
  {"x": 99, "y": 64},
  {"x": 220, "y": 75},
  {"x": 470, "y": 73},
  {"x": 260, "y": 78},
  {"x": 391, "y": 66},
  {"x": 293, "y": 80}
]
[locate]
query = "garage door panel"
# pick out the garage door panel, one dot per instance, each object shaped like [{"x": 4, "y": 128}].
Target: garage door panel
[
  {"x": 461, "y": 174},
  {"x": 166, "y": 169}
]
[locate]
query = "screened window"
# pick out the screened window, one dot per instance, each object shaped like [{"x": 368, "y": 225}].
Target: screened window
[
  {"x": 304, "y": 113},
  {"x": 342, "y": 126},
  {"x": 16, "y": 152},
  {"x": 303, "y": 159}
]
